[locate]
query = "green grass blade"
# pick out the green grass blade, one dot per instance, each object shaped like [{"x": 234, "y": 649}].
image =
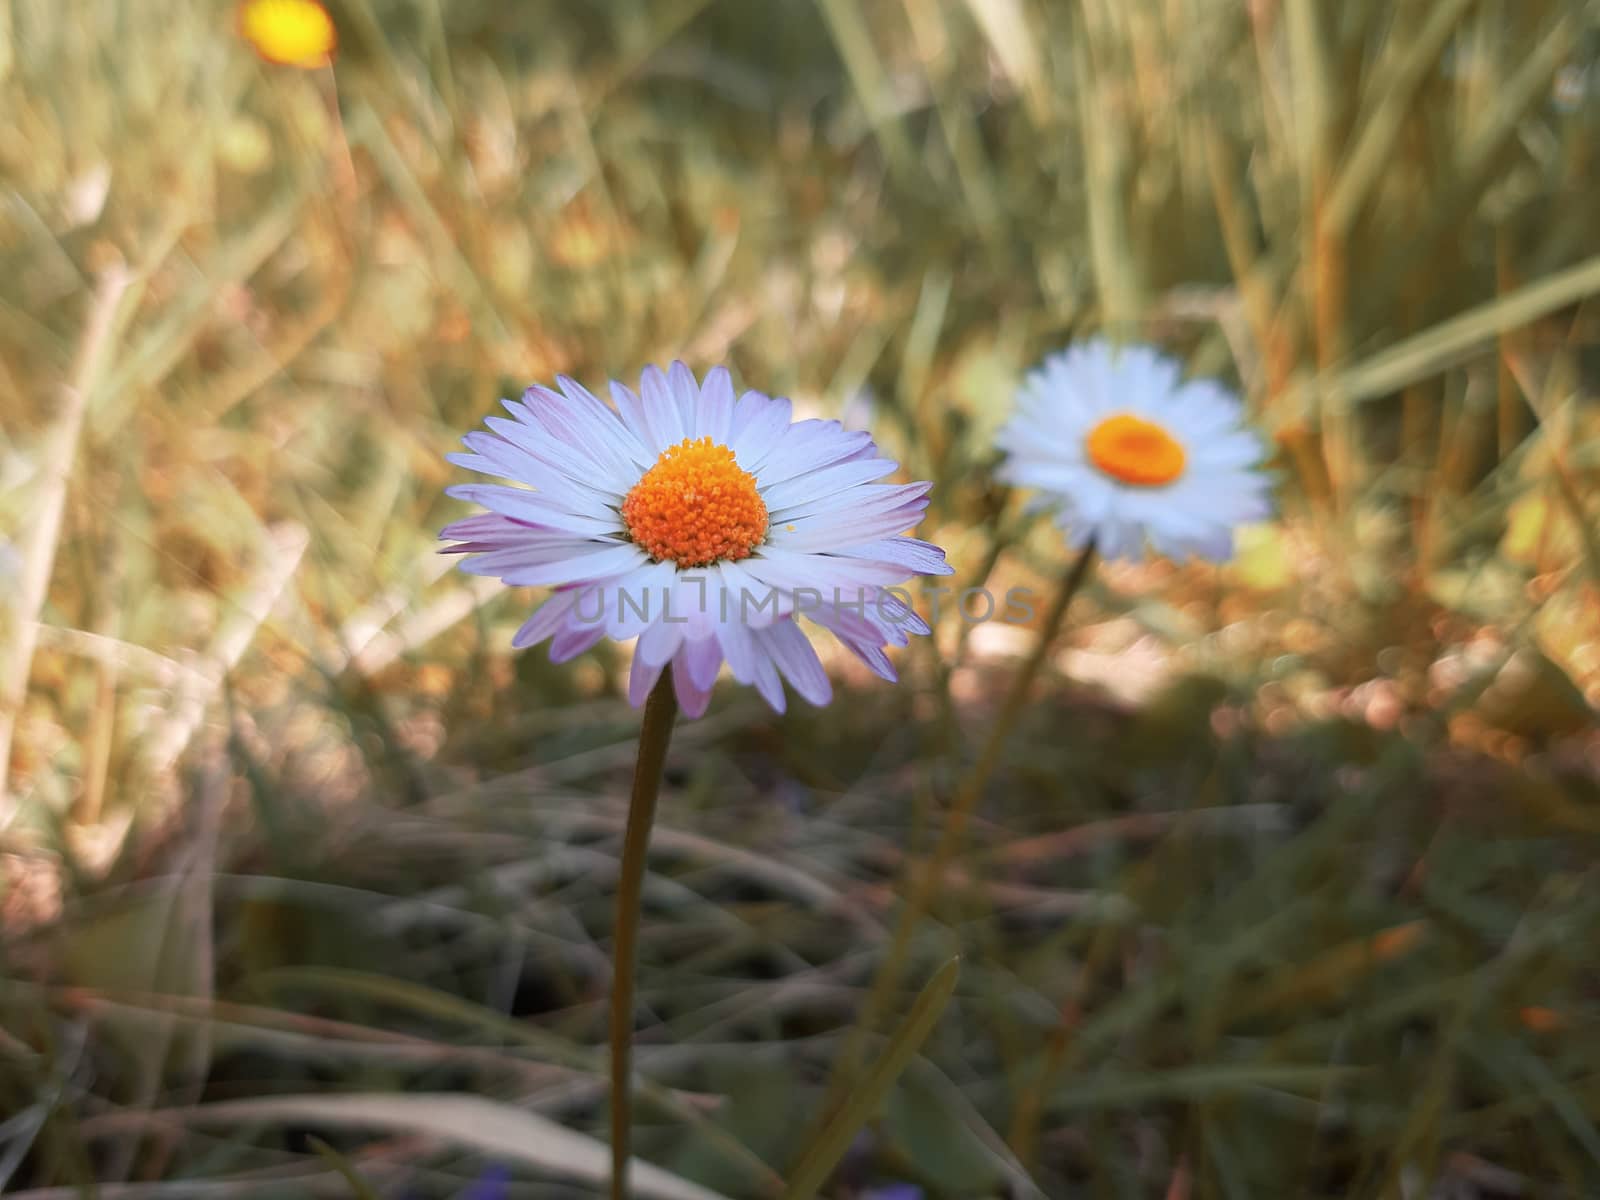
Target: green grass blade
[
  {"x": 818, "y": 1159},
  {"x": 358, "y": 1186}
]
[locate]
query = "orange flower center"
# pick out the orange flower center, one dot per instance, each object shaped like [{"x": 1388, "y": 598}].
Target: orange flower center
[
  {"x": 696, "y": 507},
  {"x": 1135, "y": 451},
  {"x": 295, "y": 33}
]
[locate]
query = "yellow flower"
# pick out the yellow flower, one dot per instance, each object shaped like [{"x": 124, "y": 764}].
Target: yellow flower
[{"x": 293, "y": 33}]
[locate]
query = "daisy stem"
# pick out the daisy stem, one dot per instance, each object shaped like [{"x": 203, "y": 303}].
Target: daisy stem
[
  {"x": 925, "y": 884},
  {"x": 660, "y": 712}
]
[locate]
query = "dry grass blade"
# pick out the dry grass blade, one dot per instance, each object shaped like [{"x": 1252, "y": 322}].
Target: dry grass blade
[
  {"x": 1442, "y": 346},
  {"x": 44, "y": 528},
  {"x": 1005, "y": 25},
  {"x": 493, "y": 1129},
  {"x": 1377, "y": 137},
  {"x": 854, "y": 39},
  {"x": 163, "y": 345},
  {"x": 375, "y": 648},
  {"x": 285, "y": 546}
]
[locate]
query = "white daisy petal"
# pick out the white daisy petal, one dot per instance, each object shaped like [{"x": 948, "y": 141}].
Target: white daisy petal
[
  {"x": 580, "y": 421},
  {"x": 875, "y": 660},
  {"x": 607, "y": 424},
  {"x": 746, "y": 600},
  {"x": 790, "y": 570},
  {"x": 630, "y": 408},
  {"x": 738, "y": 647},
  {"x": 573, "y": 641},
  {"x": 1216, "y": 544},
  {"x": 692, "y": 603},
  {"x": 715, "y": 418},
  {"x": 808, "y": 446},
  {"x": 662, "y": 415},
  {"x": 692, "y": 702},
  {"x": 472, "y": 462},
  {"x": 829, "y": 481},
  {"x": 687, "y": 393},
  {"x": 546, "y": 620},
  {"x": 693, "y": 697},
  {"x": 795, "y": 658},
  {"x": 866, "y": 500},
  {"x": 702, "y": 659},
  {"x": 642, "y": 677},
  {"x": 758, "y": 424},
  {"x": 579, "y": 568},
  {"x": 895, "y": 620},
  {"x": 921, "y": 558},
  {"x": 561, "y": 467},
  {"x": 659, "y": 643},
  {"x": 546, "y": 424},
  {"x": 481, "y": 532},
  {"x": 766, "y": 682},
  {"x": 820, "y": 533},
  {"x": 860, "y": 637},
  {"x": 530, "y": 552},
  {"x": 531, "y": 507},
  {"x": 511, "y": 461},
  {"x": 634, "y": 602},
  {"x": 851, "y": 621},
  {"x": 1233, "y": 450}
]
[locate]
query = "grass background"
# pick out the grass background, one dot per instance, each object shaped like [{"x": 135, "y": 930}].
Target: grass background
[{"x": 1287, "y": 885}]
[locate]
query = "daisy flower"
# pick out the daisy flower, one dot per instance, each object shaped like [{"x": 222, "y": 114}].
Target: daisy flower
[
  {"x": 1125, "y": 452},
  {"x": 291, "y": 33},
  {"x": 703, "y": 525}
]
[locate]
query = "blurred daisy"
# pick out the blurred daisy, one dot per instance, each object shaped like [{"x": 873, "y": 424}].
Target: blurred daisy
[
  {"x": 702, "y": 525},
  {"x": 292, "y": 33},
  {"x": 1125, "y": 452}
]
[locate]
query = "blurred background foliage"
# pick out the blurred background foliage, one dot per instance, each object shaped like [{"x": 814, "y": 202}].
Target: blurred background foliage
[{"x": 1288, "y": 884}]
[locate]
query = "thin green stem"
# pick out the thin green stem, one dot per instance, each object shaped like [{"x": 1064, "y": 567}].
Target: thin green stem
[
  {"x": 660, "y": 712},
  {"x": 822, "y": 1155},
  {"x": 924, "y": 885},
  {"x": 1023, "y": 1136}
]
